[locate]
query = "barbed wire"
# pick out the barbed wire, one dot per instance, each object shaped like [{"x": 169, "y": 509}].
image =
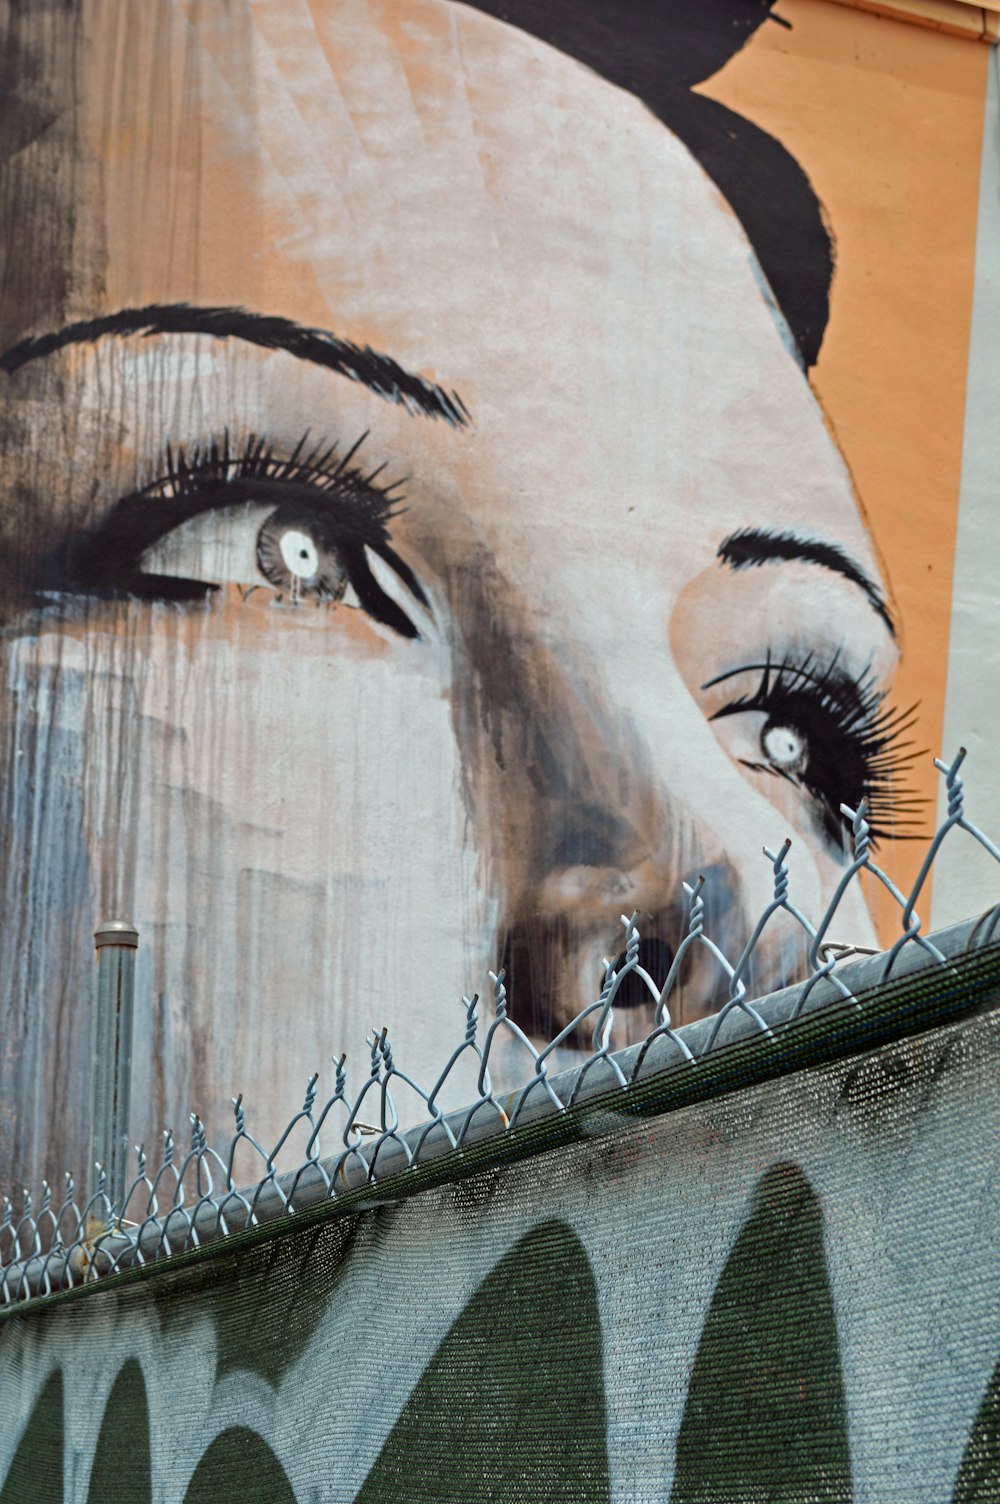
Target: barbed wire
[{"x": 62, "y": 1240}]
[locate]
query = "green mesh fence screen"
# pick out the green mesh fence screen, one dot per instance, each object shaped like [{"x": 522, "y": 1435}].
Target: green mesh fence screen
[{"x": 786, "y": 1293}]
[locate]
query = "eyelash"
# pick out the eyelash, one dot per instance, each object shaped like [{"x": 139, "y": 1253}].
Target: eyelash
[
  {"x": 318, "y": 487},
  {"x": 855, "y": 741}
]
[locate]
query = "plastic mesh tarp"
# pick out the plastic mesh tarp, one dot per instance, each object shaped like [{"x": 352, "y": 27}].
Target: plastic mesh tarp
[{"x": 788, "y": 1292}]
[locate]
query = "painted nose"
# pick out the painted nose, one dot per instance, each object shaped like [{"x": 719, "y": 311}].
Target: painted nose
[{"x": 590, "y": 812}]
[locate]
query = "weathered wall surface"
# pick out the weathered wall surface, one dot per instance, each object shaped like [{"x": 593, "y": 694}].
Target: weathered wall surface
[{"x": 463, "y": 477}]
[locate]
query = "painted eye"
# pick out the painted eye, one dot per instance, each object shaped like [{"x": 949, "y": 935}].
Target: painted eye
[
  {"x": 825, "y": 729},
  {"x": 784, "y": 747},
  {"x": 289, "y": 547},
  {"x": 293, "y": 556},
  {"x": 299, "y": 553},
  {"x": 219, "y": 517}
]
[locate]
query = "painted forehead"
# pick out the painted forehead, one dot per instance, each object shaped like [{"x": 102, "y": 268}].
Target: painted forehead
[
  {"x": 659, "y": 53},
  {"x": 536, "y": 273}
]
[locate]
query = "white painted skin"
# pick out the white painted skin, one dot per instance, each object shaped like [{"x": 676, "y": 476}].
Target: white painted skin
[{"x": 316, "y": 824}]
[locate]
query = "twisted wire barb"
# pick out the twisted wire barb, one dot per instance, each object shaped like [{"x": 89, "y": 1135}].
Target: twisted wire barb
[{"x": 195, "y": 1196}]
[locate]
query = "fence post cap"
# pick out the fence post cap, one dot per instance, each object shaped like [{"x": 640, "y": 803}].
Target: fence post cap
[{"x": 116, "y": 932}]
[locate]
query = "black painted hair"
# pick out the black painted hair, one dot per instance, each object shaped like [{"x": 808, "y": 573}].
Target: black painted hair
[{"x": 658, "y": 50}]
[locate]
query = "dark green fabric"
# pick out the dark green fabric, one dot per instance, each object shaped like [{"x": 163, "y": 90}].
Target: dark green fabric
[
  {"x": 239, "y": 1468},
  {"x": 765, "y": 1420},
  {"x": 303, "y": 1331},
  {"x": 121, "y": 1462},
  {"x": 511, "y": 1406},
  {"x": 286, "y": 1286},
  {"x": 979, "y": 1475},
  {"x": 36, "y": 1474}
]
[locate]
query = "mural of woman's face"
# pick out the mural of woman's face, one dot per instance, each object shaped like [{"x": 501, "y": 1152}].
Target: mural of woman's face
[{"x": 436, "y": 550}]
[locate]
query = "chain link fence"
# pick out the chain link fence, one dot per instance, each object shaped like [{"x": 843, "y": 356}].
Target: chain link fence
[{"x": 351, "y": 1139}]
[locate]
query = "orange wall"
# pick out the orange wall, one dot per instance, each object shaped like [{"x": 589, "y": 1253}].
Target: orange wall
[{"x": 886, "y": 118}]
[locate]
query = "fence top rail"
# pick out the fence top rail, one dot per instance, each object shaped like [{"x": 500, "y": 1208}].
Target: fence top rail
[{"x": 335, "y": 1147}]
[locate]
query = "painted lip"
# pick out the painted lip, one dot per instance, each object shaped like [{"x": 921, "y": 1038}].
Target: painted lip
[
  {"x": 556, "y": 966},
  {"x": 557, "y": 947}
]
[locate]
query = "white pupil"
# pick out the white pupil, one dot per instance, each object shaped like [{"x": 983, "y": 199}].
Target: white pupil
[
  {"x": 300, "y": 554},
  {"x": 784, "y": 747}
]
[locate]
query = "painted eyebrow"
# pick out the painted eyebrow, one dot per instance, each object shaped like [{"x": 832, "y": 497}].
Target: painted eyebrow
[
  {"x": 379, "y": 373},
  {"x": 754, "y": 546}
]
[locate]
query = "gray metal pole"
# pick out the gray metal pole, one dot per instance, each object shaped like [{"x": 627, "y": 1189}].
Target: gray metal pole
[{"x": 116, "y": 941}]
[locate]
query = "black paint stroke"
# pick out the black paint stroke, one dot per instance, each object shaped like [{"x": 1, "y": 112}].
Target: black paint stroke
[
  {"x": 754, "y": 546},
  {"x": 379, "y": 373},
  {"x": 659, "y": 50}
]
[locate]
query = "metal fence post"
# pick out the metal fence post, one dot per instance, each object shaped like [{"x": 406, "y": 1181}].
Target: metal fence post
[{"x": 116, "y": 941}]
